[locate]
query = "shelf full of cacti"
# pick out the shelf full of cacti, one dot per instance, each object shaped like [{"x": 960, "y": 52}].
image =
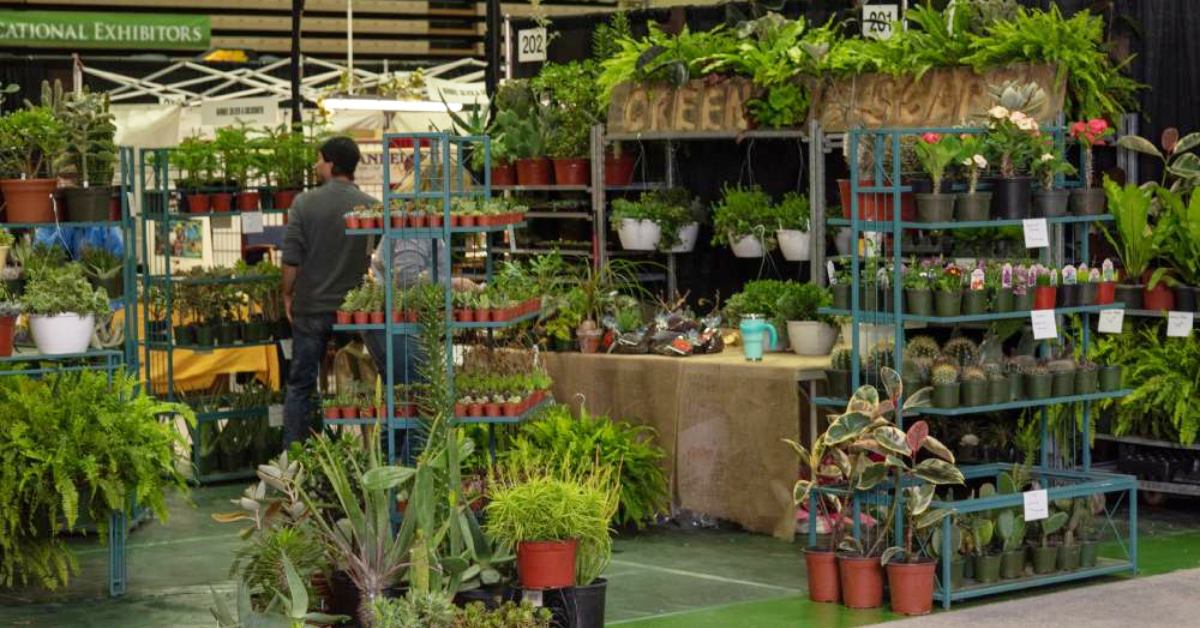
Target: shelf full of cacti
[{"x": 967, "y": 528}]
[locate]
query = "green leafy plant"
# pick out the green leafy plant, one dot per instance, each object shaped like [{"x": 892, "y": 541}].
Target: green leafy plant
[
  {"x": 670, "y": 210},
  {"x": 800, "y": 301},
  {"x": 793, "y": 212},
  {"x": 920, "y": 480},
  {"x": 90, "y": 127},
  {"x": 63, "y": 290},
  {"x": 1135, "y": 241},
  {"x": 936, "y": 153},
  {"x": 1049, "y": 165},
  {"x": 30, "y": 141},
  {"x": 196, "y": 161},
  {"x": 744, "y": 212},
  {"x": 1181, "y": 225}
]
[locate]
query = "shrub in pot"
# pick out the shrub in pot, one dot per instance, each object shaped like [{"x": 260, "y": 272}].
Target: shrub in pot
[
  {"x": 1045, "y": 294},
  {"x": 526, "y": 137},
  {"x": 1050, "y": 201},
  {"x": 90, "y": 156},
  {"x": 568, "y": 145},
  {"x": 196, "y": 162},
  {"x": 1131, "y": 236},
  {"x": 808, "y": 332},
  {"x": 31, "y": 138},
  {"x": 1088, "y": 200},
  {"x": 743, "y": 220},
  {"x": 62, "y": 308},
  {"x": 936, "y": 153},
  {"x": 792, "y": 215},
  {"x": 918, "y": 283},
  {"x": 1010, "y": 134}
]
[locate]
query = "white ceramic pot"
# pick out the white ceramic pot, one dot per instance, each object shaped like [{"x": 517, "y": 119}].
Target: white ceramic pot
[
  {"x": 747, "y": 246},
  {"x": 639, "y": 235},
  {"x": 842, "y": 241},
  {"x": 62, "y": 333},
  {"x": 811, "y": 337},
  {"x": 794, "y": 244},
  {"x": 687, "y": 238}
]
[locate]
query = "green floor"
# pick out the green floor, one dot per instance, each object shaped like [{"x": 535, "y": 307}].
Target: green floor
[{"x": 658, "y": 579}]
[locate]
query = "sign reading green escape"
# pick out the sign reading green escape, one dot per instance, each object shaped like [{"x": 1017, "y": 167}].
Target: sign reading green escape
[{"x": 75, "y": 29}]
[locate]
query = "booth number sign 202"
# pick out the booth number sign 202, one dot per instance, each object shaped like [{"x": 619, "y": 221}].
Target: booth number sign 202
[{"x": 531, "y": 45}]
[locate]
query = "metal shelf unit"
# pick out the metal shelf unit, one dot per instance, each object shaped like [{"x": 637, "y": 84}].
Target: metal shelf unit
[{"x": 1061, "y": 482}]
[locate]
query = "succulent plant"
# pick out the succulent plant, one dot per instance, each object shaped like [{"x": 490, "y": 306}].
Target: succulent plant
[
  {"x": 1060, "y": 366},
  {"x": 879, "y": 356},
  {"x": 841, "y": 359},
  {"x": 944, "y": 374},
  {"x": 974, "y": 374},
  {"x": 1018, "y": 363},
  {"x": 922, "y": 347},
  {"x": 963, "y": 350},
  {"x": 917, "y": 368},
  {"x": 994, "y": 370},
  {"x": 1034, "y": 369}
]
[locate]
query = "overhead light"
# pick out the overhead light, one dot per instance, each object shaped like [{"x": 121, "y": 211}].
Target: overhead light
[{"x": 379, "y": 104}]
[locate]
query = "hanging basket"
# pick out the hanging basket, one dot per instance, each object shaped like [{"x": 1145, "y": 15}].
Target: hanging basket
[
  {"x": 794, "y": 244},
  {"x": 747, "y": 246},
  {"x": 639, "y": 235}
]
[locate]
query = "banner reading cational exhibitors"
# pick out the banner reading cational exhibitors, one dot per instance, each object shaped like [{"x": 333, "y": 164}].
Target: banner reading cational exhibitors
[{"x": 74, "y": 29}]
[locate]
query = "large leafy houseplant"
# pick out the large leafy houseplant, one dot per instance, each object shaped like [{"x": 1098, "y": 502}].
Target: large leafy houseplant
[
  {"x": 76, "y": 447},
  {"x": 60, "y": 290},
  {"x": 1131, "y": 235},
  {"x": 1177, "y": 156},
  {"x": 1181, "y": 224}
]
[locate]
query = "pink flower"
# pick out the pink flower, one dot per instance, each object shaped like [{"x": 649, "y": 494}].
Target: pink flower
[
  {"x": 931, "y": 138},
  {"x": 1078, "y": 128},
  {"x": 1097, "y": 125}
]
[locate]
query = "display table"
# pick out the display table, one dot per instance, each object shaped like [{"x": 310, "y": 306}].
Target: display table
[{"x": 720, "y": 419}]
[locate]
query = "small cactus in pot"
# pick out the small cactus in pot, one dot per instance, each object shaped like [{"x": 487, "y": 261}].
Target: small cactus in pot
[
  {"x": 1063, "y": 373},
  {"x": 974, "y": 386},
  {"x": 838, "y": 374},
  {"x": 1038, "y": 381},
  {"x": 962, "y": 350},
  {"x": 944, "y": 377}
]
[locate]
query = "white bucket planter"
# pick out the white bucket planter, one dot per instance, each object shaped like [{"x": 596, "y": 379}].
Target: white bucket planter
[
  {"x": 746, "y": 246},
  {"x": 639, "y": 235},
  {"x": 794, "y": 244},
  {"x": 842, "y": 241},
  {"x": 811, "y": 337},
  {"x": 687, "y": 238},
  {"x": 62, "y": 333}
]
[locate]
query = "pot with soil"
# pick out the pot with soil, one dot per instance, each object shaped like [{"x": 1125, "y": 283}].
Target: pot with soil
[
  {"x": 1068, "y": 295},
  {"x": 534, "y": 171},
  {"x": 973, "y": 207},
  {"x": 1088, "y": 201},
  {"x": 1088, "y": 553},
  {"x": 503, "y": 175},
  {"x": 935, "y": 207},
  {"x": 911, "y": 586},
  {"x": 999, "y": 390},
  {"x": 1045, "y": 297},
  {"x": 1087, "y": 293},
  {"x": 546, "y": 564},
  {"x": 1050, "y": 203},
  {"x": 1039, "y": 383},
  {"x": 973, "y": 389},
  {"x": 1012, "y": 197},
  {"x": 1106, "y": 293},
  {"x": 572, "y": 171},
  {"x": 948, "y": 304},
  {"x": 861, "y": 581},
  {"x": 282, "y": 199},
  {"x": 1087, "y": 378},
  {"x": 823, "y": 580},
  {"x": 1068, "y": 557},
  {"x": 1132, "y": 295},
  {"x": 1110, "y": 377},
  {"x": 918, "y": 301},
  {"x": 1063, "y": 380}
]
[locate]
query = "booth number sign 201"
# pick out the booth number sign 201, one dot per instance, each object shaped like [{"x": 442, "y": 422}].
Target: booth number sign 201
[
  {"x": 531, "y": 45},
  {"x": 877, "y": 20}
]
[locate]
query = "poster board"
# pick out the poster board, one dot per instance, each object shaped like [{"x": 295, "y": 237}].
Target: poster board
[{"x": 190, "y": 241}]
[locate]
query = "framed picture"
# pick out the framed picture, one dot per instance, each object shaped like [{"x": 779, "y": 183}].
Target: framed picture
[{"x": 186, "y": 243}]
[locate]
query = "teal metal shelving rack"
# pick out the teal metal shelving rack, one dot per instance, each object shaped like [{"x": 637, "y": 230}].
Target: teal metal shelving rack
[
  {"x": 1066, "y": 476},
  {"x": 27, "y": 361},
  {"x": 440, "y": 175},
  {"x": 162, "y": 210}
]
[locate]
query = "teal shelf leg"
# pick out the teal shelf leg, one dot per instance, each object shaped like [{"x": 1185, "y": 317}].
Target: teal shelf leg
[
  {"x": 1133, "y": 530},
  {"x": 813, "y": 516},
  {"x": 945, "y": 553},
  {"x": 855, "y": 523},
  {"x": 118, "y": 531}
]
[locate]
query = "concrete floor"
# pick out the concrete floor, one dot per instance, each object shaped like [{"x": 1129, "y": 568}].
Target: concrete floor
[{"x": 664, "y": 578}]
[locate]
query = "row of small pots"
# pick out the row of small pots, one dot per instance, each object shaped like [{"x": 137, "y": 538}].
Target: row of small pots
[
  {"x": 41, "y": 200},
  {"x": 618, "y": 171},
  {"x": 498, "y": 409},
  {"x": 1012, "y": 200},
  {"x": 418, "y": 221},
  {"x": 926, "y": 302},
  {"x": 857, "y": 581},
  {"x": 1010, "y": 388},
  {"x": 227, "y": 333},
  {"x": 403, "y": 410},
  {"x": 1161, "y": 298},
  {"x": 989, "y": 568},
  {"x": 198, "y": 202},
  {"x": 498, "y": 315},
  {"x": 793, "y": 244}
]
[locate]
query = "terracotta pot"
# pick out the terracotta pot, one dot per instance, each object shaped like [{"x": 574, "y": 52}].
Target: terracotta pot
[
  {"x": 481, "y": 315},
  {"x": 378, "y": 318},
  {"x": 370, "y": 223},
  {"x": 6, "y": 333},
  {"x": 460, "y": 409},
  {"x": 349, "y": 412},
  {"x": 344, "y": 318},
  {"x": 503, "y": 174},
  {"x": 397, "y": 316},
  {"x": 333, "y": 413},
  {"x": 572, "y": 171},
  {"x": 353, "y": 222},
  {"x": 410, "y": 316},
  {"x": 876, "y": 206},
  {"x": 1160, "y": 298},
  {"x": 283, "y": 198},
  {"x": 618, "y": 171},
  {"x": 533, "y": 171},
  {"x": 546, "y": 564},
  {"x": 247, "y": 201},
  {"x": 464, "y": 316},
  {"x": 367, "y": 413},
  {"x": 1106, "y": 292},
  {"x": 475, "y": 409},
  {"x": 491, "y": 409},
  {"x": 861, "y": 580},
  {"x": 1044, "y": 297},
  {"x": 362, "y": 318},
  {"x": 511, "y": 408},
  {"x": 198, "y": 203},
  {"x": 435, "y": 220},
  {"x": 221, "y": 201},
  {"x": 29, "y": 200},
  {"x": 823, "y": 580},
  {"x": 911, "y": 586},
  {"x": 467, "y": 221}
]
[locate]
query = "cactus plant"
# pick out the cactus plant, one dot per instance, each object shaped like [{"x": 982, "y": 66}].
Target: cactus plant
[
  {"x": 841, "y": 359},
  {"x": 963, "y": 350},
  {"x": 943, "y": 374},
  {"x": 1060, "y": 366},
  {"x": 881, "y": 355},
  {"x": 1052, "y": 525},
  {"x": 974, "y": 374},
  {"x": 1011, "y": 528},
  {"x": 1035, "y": 369},
  {"x": 922, "y": 347}
]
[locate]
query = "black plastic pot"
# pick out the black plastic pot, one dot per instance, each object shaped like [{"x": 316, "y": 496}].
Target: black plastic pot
[
  {"x": 1011, "y": 198},
  {"x": 919, "y": 302},
  {"x": 1063, "y": 384},
  {"x": 1068, "y": 295},
  {"x": 283, "y": 329},
  {"x": 1086, "y": 381},
  {"x": 838, "y": 382},
  {"x": 578, "y": 607},
  {"x": 998, "y": 391},
  {"x": 1087, "y": 293},
  {"x": 491, "y": 597},
  {"x": 1185, "y": 298},
  {"x": 1038, "y": 386},
  {"x": 1088, "y": 202},
  {"x": 974, "y": 392},
  {"x": 1130, "y": 295},
  {"x": 841, "y": 296},
  {"x": 185, "y": 335},
  {"x": 1110, "y": 377},
  {"x": 1023, "y": 302},
  {"x": 88, "y": 204},
  {"x": 255, "y": 331},
  {"x": 973, "y": 207},
  {"x": 948, "y": 303},
  {"x": 227, "y": 333},
  {"x": 1003, "y": 301},
  {"x": 159, "y": 330},
  {"x": 1050, "y": 203},
  {"x": 974, "y": 302},
  {"x": 946, "y": 395},
  {"x": 206, "y": 335}
]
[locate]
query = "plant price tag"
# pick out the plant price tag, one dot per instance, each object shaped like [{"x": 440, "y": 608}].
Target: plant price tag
[
  {"x": 1037, "y": 233},
  {"x": 1111, "y": 321},
  {"x": 275, "y": 415},
  {"x": 1045, "y": 326},
  {"x": 1179, "y": 324},
  {"x": 533, "y": 597},
  {"x": 252, "y": 222},
  {"x": 1037, "y": 507},
  {"x": 285, "y": 345}
]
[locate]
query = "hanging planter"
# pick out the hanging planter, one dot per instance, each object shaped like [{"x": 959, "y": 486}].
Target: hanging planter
[
  {"x": 687, "y": 236},
  {"x": 794, "y": 244},
  {"x": 747, "y": 246},
  {"x": 639, "y": 235}
]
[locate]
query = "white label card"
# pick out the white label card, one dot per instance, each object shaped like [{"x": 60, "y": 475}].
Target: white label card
[
  {"x": 1037, "y": 506},
  {"x": 1111, "y": 321},
  {"x": 531, "y": 45},
  {"x": 1045, "y": 326},
  {"x": 1179, "y": 324},
  {"x": 832, "y": 273},
  {"x": 275, "y": 415},
  {"x": 252, "y": 222},
  {"x": 533, "y": 597},
  {"x": 285, "y": 345},
  {"x": 878, "y": 20},
  {"x": 1037, "y": 233}
]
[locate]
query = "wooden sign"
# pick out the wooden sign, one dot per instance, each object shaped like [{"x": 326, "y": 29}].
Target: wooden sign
[
  {"x": 698, "y": 106},
  {"x": 943, "y": 97}
]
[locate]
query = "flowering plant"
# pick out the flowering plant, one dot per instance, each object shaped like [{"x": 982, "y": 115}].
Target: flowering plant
[
  {"x": 971, "y": 157},
  {"x": 950, "y": 279},
  {"x": 936, "y": 153},
  {"x": 1049, "y": 165},
  {"x": 1013, "y": 136},
  {"x": 1089, "y": 134}
]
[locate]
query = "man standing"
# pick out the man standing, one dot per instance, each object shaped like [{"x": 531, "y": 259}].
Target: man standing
[{"x": 320, "y": 265}]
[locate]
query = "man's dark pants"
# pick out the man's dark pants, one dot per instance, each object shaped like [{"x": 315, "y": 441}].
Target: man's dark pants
[{"x": 310, "y": 336}]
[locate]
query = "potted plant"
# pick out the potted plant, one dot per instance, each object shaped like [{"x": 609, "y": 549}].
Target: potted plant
[
  {"x": 974, "y": 386},
  {"x": 62, "y": 308},
  {"x": 1110, "y": 377},
  {"x": 1069, "y": 291},
  {"x": 808, "y": 332},
  {"x": 837, "y": 376},
  {"x": 233, "y": 149},
  {"x": 935, "y": 153},
  {"x": 956, "y": 558},
  {"x": 104, "y": 270},
  {"x": 10, "y": 309},
  {"x": 1010, "y": 135},
  {"x": 288, "y": 161},
  {"x": 1039, "y": 382},
  {"x": 1045, "y": 294},
  {"x": 986, "y": 562},
  {"x": 944, "y": 377},
  {"x": 919, "y": 280},
  {"x": 90, "y": 155},
  {"x": 1069, "y": 551},
  {"x": 331, "y": 408},
  {"x": 997, "y": 383},
  {"x": 1181, "y": 244},
  {"x": 30, "y": 140},
  {"x": 949, "y": 295},
  {"x": 1134, "y": 240},
  {"x": 1023, "y": 295},
  {"x": 792, "y": 217},
  {"x": 196, "y": 162},
  {"x": 1062, "y": 377},
  {"x": 1045, "y": 555},
  {"x": 975, "y": 297},
  {"x": 742, "y": 219},
  {"x": 1011, "y": 529},
  {"x": 526, "y": 138},
  {"x": 1088, "y": 200},
  {"x": 1090, "y": 544},
  {"x": 910, "y": 575},
  {"x": 568, "y": 145},
  {"x": 973, "y": 206},
  {"x": 546, "y": 518},
  {"x": 1050, "y": 201}
]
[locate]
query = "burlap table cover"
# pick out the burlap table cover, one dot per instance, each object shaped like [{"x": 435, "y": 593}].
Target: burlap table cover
[{"x": 720, "y": 418}]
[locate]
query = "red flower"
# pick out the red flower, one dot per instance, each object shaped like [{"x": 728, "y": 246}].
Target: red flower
[
  {"x": 1097, "y": 125},
  {"x": 1078, "y": 128},
  {"x": 931, "y": 138}
]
